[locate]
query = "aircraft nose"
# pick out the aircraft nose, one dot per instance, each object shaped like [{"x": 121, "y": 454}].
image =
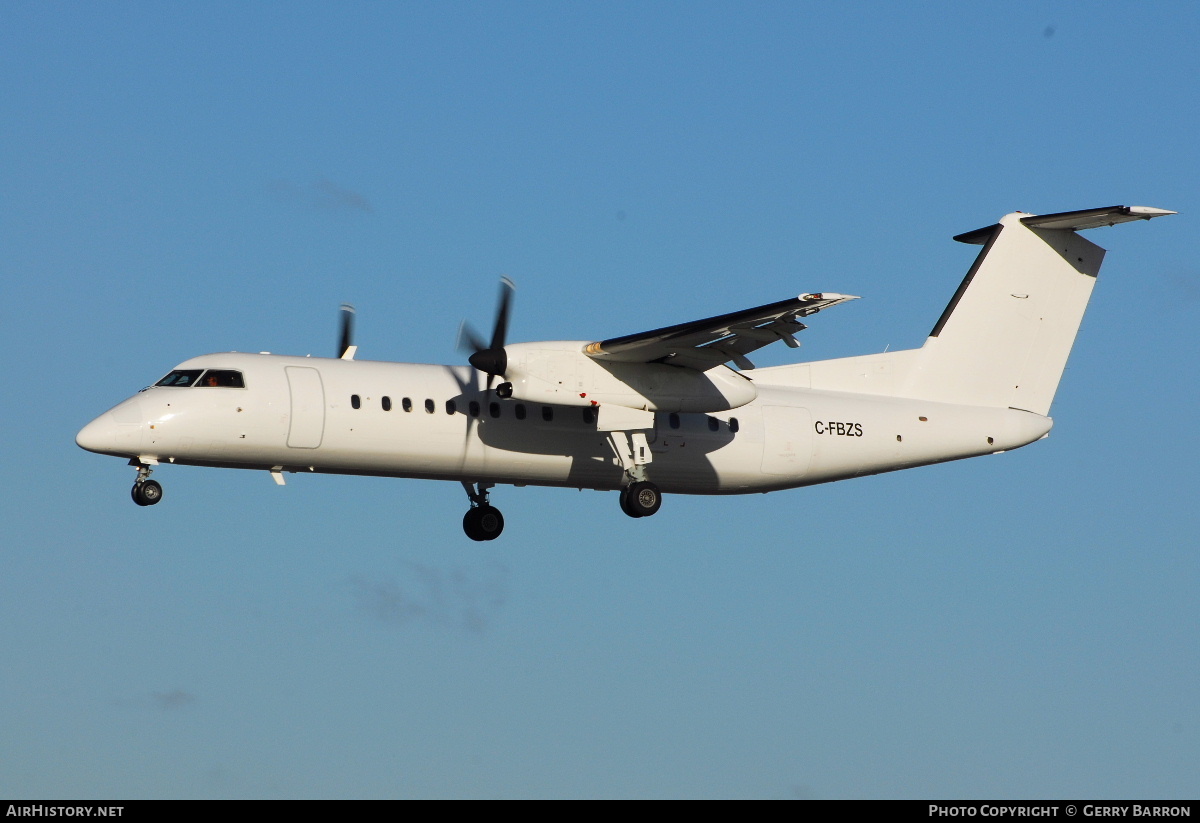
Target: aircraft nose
[{"x": 117, "y": 431}]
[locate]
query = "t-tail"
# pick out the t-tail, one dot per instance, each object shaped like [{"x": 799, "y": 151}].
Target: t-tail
[{"x": 1004, "y": 338}]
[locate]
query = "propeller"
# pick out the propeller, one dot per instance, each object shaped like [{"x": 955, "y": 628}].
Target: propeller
[
  {"x": 490, "y": 358},
  {"x": 346, "y": 347}
]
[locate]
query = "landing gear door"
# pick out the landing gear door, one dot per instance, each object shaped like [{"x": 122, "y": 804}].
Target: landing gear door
[{"x": 307, "y": 424}]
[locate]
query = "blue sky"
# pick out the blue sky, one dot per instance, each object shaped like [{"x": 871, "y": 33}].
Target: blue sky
[{"x": 179, "y": 179}]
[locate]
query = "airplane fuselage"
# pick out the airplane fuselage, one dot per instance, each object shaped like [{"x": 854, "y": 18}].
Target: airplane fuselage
[{"x": 309, "y": 414}]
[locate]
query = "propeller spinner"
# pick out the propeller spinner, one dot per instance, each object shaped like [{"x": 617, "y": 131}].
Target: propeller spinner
[{"x": 490, "y": 358}]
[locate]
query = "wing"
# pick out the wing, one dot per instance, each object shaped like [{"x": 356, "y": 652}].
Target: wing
[{"x": 703, "y": 344}]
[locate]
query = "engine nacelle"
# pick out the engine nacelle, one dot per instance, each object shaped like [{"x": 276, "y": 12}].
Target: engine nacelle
[{"x": 562, "y": 374}]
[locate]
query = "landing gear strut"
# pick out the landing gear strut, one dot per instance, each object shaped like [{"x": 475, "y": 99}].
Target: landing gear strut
[
  {"x": 482, "y": 521},
  {"x": 145, "y": 492}
]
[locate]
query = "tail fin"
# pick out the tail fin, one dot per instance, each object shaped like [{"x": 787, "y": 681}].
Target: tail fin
[{"x": 1004, "y": 339}]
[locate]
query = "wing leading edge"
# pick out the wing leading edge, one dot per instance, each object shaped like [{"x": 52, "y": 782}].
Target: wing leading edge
[{"x": 703, "y": 344}]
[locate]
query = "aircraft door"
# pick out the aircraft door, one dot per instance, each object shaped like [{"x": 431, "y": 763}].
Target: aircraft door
[
  {"x": 787, "y": 440},
  {"x": 307, "y": 423}
]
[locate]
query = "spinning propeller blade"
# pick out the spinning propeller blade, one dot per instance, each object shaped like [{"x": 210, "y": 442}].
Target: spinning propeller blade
[
  {"x": 468, "y": 339},
  {"x": 491, "y": 359}
]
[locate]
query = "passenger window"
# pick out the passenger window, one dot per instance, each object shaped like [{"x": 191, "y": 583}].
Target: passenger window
[
  {"x": 494, "y": 409},
  {"x": 673, "y": 420},
  {"x": 733, "y": 424},
  {"x": 354, "y": 401},
  {"x": 387, "y": 403},
  {"x": 589, "y": 415},
  {"x": 181, "y": 378},
  {"x": 714, "y": 424},
  {"x": 450, "y": 407},
  {"x": 428, "y": 405},
  {"x": 520, "y": 411},
  {"x": 222, "y": 378},
  {"x": 547, "y": 413},
  {"x": 406, "y": 404},
  {"x": 473, "y": 408}
]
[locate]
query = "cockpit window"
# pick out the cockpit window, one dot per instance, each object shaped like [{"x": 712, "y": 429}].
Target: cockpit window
[
  {"x": 180, "y": 377},
  {"x": 222, "y": 378}
]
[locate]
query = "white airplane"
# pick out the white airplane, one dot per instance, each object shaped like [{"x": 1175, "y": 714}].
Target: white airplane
[{"x": 647, "y": 413}]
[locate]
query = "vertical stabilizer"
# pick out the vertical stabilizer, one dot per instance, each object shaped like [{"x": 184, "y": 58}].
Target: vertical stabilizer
[
  {"x": 1005, "y": 336},
  {"x": 1004, "y": 339}
]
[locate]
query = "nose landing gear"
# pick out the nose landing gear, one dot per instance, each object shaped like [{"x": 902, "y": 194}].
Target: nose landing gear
[
  {"x": 482, "y": 521},
  {"x": 145, "y": 492}
]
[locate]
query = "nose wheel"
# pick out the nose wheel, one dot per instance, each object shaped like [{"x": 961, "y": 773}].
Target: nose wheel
[
  {"x": 146, "y": 492},
  {"x": 482, "y": 521}
]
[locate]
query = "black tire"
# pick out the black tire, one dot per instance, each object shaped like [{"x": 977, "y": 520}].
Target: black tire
[
  {"x": 625, "y": 503},
  {"x": 641, "y": 499},
  {"x": 483, "y": 523},
  {"x": 147, "y": 493}
]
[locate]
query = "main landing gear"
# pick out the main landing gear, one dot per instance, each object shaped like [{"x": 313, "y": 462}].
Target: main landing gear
[
  {"x": 639, "y": 497},
  {"x": 482, "y": 521},
  {"x": 145, "y": 492}
]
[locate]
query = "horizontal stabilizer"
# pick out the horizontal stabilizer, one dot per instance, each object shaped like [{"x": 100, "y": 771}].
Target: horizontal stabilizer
[
  {"x": 1072, "y": 220},
  {"x": 1093, "y": 218}
]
